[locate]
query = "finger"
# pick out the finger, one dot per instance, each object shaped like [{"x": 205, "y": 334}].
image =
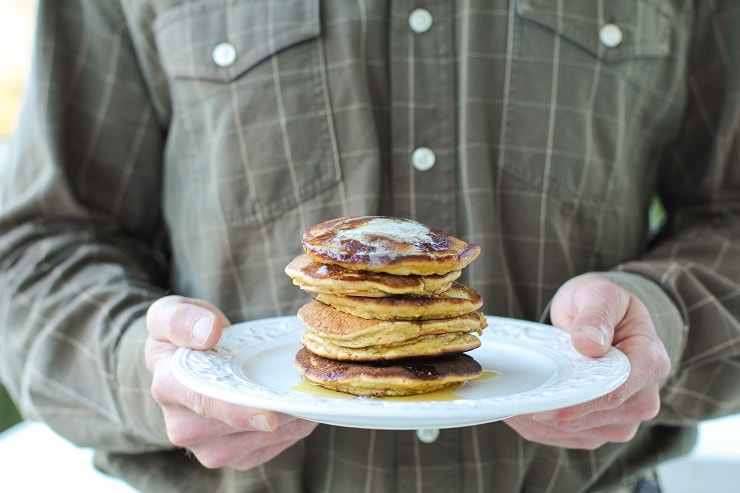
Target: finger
[
  {"x": 185, "y": 322},
  {"x": 189, "y": 413},
  {"x": 594, "y": 438},
  {"x": 299, "y": 430},
  {"x": 639, "y": 407},
  {"x": 188, "y": 429},
  {"x": 237, "y": 417},
  {"x": 215, "y": 456},
  {"x": 261, "y": 456},
  {"x": 590, "y": 307},
  {"x": 248, "y": 449},
  {"x": 649, "y": 361}
]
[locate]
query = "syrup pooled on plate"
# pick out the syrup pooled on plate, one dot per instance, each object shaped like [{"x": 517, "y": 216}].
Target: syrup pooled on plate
[{"x": 446, "y": 394}]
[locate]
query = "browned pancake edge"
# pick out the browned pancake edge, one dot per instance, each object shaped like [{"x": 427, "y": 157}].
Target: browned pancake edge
[{"x": 404, "y": 377}]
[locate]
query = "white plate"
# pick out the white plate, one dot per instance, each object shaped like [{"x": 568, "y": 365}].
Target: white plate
[{"x": 538, "y": 370}]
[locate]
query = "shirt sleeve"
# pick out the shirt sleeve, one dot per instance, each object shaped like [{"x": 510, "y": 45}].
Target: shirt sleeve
[
  {"x": 82, "y": 249},
  {"x": 695, "y": 258}
]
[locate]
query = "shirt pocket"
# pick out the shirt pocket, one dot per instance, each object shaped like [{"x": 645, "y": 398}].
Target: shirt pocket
[
  {"x": 588, "y": 105},
  {"x": 251, "y": 127}
]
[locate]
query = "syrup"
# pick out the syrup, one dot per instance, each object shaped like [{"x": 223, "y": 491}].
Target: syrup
[{"x": 446, "y": 394}]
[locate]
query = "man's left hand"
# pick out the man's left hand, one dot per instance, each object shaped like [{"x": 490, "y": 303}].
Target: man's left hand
[{"x": 598, "y": 314}]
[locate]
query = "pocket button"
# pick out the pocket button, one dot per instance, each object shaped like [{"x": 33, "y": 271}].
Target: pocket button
[
  {"x": 610, "y": 35},
  {"x": 224, "y": 54}
]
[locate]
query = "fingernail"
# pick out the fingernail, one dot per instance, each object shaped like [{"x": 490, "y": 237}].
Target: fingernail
[
  {"x": 595, "y": 334},
  {"x": 259, "y": 421},
  {"x": 201, "y": 329}
]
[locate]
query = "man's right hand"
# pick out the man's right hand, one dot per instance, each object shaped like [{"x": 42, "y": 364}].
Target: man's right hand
[{"x": 218, "y": 433}]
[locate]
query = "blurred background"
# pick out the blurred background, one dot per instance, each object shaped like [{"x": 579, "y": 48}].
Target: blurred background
[{"x": 16, "y": 32}]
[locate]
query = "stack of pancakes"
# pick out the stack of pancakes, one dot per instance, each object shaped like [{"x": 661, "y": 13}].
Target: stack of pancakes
[{"x": 388, "y": 316}]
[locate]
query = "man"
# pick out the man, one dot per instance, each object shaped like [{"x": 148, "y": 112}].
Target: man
[{"x": 170, "y": 154}]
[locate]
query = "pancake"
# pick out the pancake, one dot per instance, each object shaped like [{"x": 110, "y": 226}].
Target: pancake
[
  {"x": 422, "y": 346},
  {"x": 387, "y": 244},
  {"x": 343, "y": 329},
  {"x": 407, "y": 377},
  {"x": 314, "y": 277},
  {"x": 389, "y": 317},
  {"x": 456, "y": 301}
]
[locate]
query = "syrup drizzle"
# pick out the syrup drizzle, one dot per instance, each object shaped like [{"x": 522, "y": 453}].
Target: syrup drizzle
[{"x": 446, "y": 394}]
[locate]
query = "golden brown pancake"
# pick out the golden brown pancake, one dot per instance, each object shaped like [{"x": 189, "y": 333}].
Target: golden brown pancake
[
  {"x": 422, "y": 346},
  {"x": 346, "y": 330},
  {"x": 389, "y": 317},
  {"x": 456, "y": 301},
  {"x": 406, "y": 377},
  {"x": 314, "y": 277},
  {"x": 387, "y": 244}
]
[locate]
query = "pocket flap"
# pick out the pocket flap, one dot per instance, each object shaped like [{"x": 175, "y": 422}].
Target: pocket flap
[
  {"x": 644, "y": 28},
  {"x": 251, "y": 31}
]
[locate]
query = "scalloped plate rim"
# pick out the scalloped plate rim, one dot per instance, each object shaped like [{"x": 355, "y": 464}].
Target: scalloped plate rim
[{"x": 225, "y": 373}]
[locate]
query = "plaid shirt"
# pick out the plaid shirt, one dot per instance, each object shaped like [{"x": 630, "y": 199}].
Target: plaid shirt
[{"x": 183, "y": 146}]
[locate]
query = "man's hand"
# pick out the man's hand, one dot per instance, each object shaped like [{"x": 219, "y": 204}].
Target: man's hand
[
  {"x": 217, "y": 433},
  {"x": 598, "y": 314}
]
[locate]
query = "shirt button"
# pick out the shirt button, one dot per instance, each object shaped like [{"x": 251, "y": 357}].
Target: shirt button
[
  {"x": 427, "y": 435},
  {"x": 420, "y": 21},
  {"x": 224, "y": 54},
  {"x": 610, "y": 35},
  {"x": 423, "y": 158}
]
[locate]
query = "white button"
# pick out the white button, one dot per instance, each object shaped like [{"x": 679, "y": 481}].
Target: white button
[
  {"x": 610, "y": 35},
  {"x": 420, "y": 21},
  {"x": 224, "y": 54},
  {"x": 427, "y": 435},
  {"x": 423, "y": 158}
]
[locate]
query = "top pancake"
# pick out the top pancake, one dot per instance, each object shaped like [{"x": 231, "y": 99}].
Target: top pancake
[{"x": 387, "y": 244}]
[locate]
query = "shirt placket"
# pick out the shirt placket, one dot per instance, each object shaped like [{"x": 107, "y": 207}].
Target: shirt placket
[
  {"x": 422, "y": 89},
  {"x": 423, "y": 164}
]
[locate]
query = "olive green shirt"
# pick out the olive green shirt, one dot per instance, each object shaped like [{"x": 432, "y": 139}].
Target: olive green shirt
[{"x": 182, "y": 146}]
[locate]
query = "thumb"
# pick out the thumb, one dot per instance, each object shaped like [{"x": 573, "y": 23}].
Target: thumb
[
  {"x": 185, "y": 322},
  {"x": 590, "y": 307}
]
